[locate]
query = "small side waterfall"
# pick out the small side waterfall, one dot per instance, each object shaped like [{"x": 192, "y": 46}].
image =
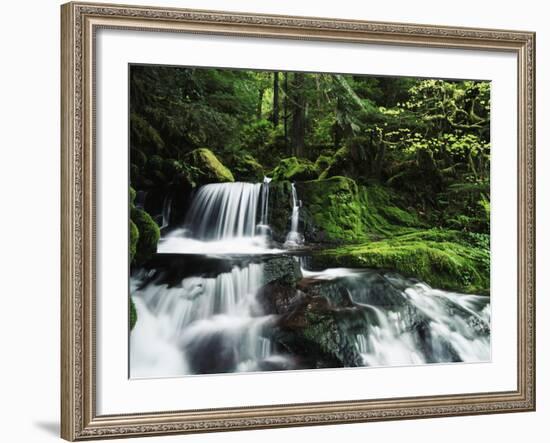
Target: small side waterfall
[
  {"x": 263, "y": 228},
  {"x": 294, "y": 237},
  {"x": 166, "y": 210}
]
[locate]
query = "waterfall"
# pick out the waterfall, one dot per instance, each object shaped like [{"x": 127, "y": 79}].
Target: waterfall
[
  {"x": 224, "y": 210},
  {"x": 223, "y": 218},
  {"x": 220, "y": 306},
  {"x": 263, "y": 228},
  {"x": 166, "y": 210},
  {"x": 294, "y": 237},
  {"x": 215, "y": 323}
]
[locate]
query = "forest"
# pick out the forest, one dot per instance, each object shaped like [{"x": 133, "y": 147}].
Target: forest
[{"x": 338, "y": 172}]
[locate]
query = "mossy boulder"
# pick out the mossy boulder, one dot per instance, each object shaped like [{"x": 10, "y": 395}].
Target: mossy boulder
[
  {"x": 337, "y": 210},
  {"x": 134, "y": 237},
  {"x": 247, "y": 169},
  {"x": 148, "y": 235},
  {"x": 295, "y": 169},
  {"x": 442, "y": 258},
  {"x": 207, "y": 168},
  {"x": 331, "y": 210}
]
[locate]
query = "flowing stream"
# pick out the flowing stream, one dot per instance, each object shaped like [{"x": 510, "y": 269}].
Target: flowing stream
[{"x": 208, "y": 313}]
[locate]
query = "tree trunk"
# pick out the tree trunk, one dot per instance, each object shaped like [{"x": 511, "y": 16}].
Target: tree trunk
[
  {"x": 275, "y": 116},
  {"x": 298, "y": 128},
  {"x": 285, "y": 108},
  {"x": 260, "y": 102}
]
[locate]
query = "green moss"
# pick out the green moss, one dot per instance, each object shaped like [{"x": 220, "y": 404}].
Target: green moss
[
  {"x": 133, "y": 314},
  {"x": 246, "y": 168},
  {"x": 442, "y": 258},
  {"x": 132, "y": 196},
  {"x": 339, "y": 164},
  {"x": 323, "y": 162},
  {"x": 207, "y": 168},
  {"x": 148, "y": 235},
  {"x": 134, "y": 237},
  {"x": 294, "y": 169},
  {"x": 331, "y": 210},
  {"x": 338, "y": 210}
]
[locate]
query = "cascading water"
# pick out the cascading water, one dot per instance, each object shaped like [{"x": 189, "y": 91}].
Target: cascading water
[
  {"x": 214, "y": 324},
  {"x": 203, "y": 324},
  {"x": 408, "y": 322},
  {"x": 197, "y": 318},
  {"x": 223, "y": 219},
  {"x": 166, "y": 210},
  {"x": 294, "y": 237}
]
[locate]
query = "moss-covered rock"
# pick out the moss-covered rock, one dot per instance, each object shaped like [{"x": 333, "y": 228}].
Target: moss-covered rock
[
  {"x": 295, "y": 169},
  {"x": 134, "y": 237},
  {"x": 133, "y": 314},
  {"x": 247, "y": 169},
  {"x": 442, "y": 258},
  {"x": 337, "y": 210},
  {"x": 132, "y": 196},
  {"x": 323, "y": 162},
  {"x": 331, "y": 210},
  {"x": 207, "y": 168},
  {"x": 148, "y": 235}
]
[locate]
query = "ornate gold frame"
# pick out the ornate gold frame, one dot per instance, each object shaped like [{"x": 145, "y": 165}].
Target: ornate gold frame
[{"x": 79, "y": 420}]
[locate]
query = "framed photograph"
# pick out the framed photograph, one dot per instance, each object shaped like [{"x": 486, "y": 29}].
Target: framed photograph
[{"x": 282, "y": 221}]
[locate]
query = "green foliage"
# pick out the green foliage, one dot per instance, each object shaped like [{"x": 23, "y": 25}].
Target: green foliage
[
  {"x": 133, "y": 313},
  {"x": 207, "y": 167},
  {"x": 256, "y": 135},
  {"x": 144, "y": 135},
  {"x": 375, "y": 159},
  {"x": 148, "y": 235},
  {"x": 294, "y": 169},
  {"x": 439, "y": 257}
]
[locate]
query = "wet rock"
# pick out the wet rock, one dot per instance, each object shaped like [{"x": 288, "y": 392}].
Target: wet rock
[
  {"x": 282, "y": 268},
  {"x": 320, "y": 333}
]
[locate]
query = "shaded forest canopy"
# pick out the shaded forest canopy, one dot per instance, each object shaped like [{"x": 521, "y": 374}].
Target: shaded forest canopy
[{"x": 423, "y": 144}]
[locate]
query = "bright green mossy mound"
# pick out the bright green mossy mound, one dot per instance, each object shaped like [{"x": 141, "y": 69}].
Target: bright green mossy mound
[
  {"x": 332, "y": 210},
  {"x": 207, "y": 167},
  {"x": 442, "y": 258},
  {"x": 133, "y": 314},
  {"x": 294, "y": 169},
  {"x": 337, "y": 210},
  {"x": 148, "y": 235}
]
